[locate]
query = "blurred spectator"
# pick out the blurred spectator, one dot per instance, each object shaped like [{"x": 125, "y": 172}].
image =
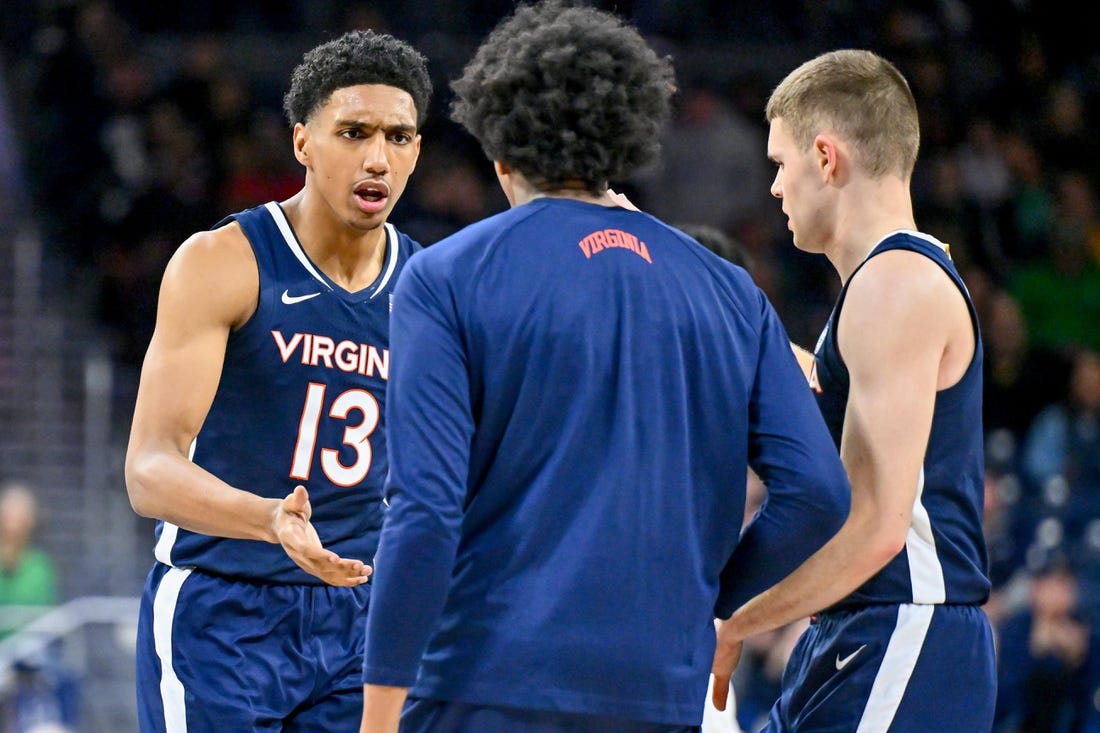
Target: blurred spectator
[
  {"x": 1065, "y": 137},
  {"x": 43, "y": 699},
  {"x": 986, "y": 178},
  {"x": 1030, "y": 208},
  {"x": 257, "y": 165},
  {"x": 1048, "y": 660},
  {"x": 713, "y": 167},
  {"x": 1060, "y": 295},
  {"x": 719, "y": 243},
  {"x": 1019, "y": 380},
  {"x": 28, "y": 577},
  {"x": 1061, "y": 453},
  {"x": 456, "y": 191},
  {"x": 944, "y": 209},
  {"x": 1076, "y": 204},
  {"x": 1064, "y": 439},
  {"x": 1007, "y": 532}
]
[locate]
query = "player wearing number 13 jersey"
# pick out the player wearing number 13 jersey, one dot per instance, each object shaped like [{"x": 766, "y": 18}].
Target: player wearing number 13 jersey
[
  {"x": 258, "y": 439},
  {"x": 302, "y": 389}
]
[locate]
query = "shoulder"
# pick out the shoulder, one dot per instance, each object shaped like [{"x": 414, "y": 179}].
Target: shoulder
[
  {"x": 898, "y": 280},
  {"x": 226, "y": 246},
  {"x": 464, "y": 249},
  {"x": 214, "y": 271},
  {"x": 902, "y": 310}
]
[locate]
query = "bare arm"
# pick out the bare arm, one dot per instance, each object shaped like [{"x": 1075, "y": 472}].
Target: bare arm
[
  {"x": 210, "y": 286},
  {"x": 900, "y": 315},
  {"x": 382, "y": 708}
]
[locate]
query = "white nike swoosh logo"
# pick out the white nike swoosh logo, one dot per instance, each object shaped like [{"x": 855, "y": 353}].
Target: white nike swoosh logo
[
  {"x": 842, "y": 663},
  {"x": 292, "y": 299}
]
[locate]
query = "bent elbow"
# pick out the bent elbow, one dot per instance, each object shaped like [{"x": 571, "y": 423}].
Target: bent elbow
[
  {"x": 884, "y": 546},
  {"x": 138, "y": 476}
]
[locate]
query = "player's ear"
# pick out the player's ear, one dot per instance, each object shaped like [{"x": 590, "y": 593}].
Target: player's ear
[
  {"x": 416, "y": 153},
  {"x": 504, "y": 177},
  {"x": 825, "y": 155},
  {"x": 300, "y": 137}
]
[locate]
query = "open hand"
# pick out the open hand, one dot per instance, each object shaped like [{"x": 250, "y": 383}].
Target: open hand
[{"x": 298, "y": 537}]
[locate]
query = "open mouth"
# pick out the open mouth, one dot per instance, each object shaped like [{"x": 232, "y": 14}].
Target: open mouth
[{"x": 372, "y": 195}]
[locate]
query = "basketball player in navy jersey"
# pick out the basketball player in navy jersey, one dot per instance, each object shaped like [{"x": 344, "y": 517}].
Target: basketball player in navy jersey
[
  {"x": 904, "y": 645},
  {"x": 258, "y": 433},
  {"x": 577, "y": 390}
]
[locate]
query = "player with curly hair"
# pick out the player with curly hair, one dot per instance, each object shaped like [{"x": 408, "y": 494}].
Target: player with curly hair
[
  {"x": 258, "y": 433},
  {"x": 577, "y": 391}
]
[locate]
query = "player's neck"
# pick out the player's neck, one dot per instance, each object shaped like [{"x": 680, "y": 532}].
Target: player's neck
[
  {"x": 602, "y": 199},
  {"x": 865, "y": 217},
  {"x": 519, "y": 190},
  {"x": 352, "y": 258}
]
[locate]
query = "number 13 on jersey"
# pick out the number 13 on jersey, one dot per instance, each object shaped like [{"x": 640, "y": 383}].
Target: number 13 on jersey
[{"x": 356, "y": 435}]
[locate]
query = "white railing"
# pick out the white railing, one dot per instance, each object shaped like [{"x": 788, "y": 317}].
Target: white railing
[{"x": 55, "y": 625}]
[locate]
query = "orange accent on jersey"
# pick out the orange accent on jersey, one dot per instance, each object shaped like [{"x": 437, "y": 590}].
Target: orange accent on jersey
[
  {"x": 815, "y": 385},
  {"x": 597, "y": 242}
]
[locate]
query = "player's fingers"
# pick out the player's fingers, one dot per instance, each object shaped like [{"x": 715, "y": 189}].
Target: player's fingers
[
  {"x": 299, "y": 501},
  {"x": 352, "y": 568},
  {"x": 332, "y": 569},
  {"x": 345, "y": 579},
  {"x": 720, "y": 694}
]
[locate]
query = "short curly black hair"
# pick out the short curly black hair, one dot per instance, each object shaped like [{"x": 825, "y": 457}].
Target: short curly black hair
[
  {"x": 357, "y": 57},
  {"x": 564, "y": 93}
]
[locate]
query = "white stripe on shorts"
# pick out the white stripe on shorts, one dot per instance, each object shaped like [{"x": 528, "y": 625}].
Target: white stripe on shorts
[
  {"x": 164, "y": 611},
  {"x": 896, "y": 668}
]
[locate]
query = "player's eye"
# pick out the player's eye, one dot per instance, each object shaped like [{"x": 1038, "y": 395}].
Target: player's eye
[{"x": 401, "y": 138}]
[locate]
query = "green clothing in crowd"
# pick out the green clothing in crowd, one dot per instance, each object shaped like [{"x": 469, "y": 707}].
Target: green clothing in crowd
[{"x": 33, "y": 582}]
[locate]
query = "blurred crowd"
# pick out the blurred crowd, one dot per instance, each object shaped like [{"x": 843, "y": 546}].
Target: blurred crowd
[{"x": 141, "y": 123}]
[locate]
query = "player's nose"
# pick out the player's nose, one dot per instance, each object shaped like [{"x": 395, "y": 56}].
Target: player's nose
[{"x": 375, "y": 158}]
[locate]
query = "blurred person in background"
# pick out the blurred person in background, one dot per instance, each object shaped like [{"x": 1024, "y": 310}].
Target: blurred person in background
[
  {"x": 1060, "y": 457},
  {"x": 1059, "y": 294},
  {"x": 43, "y": 692},
  {"x": 28, "y": 575},
  {"x": 1048, "y": 659}
]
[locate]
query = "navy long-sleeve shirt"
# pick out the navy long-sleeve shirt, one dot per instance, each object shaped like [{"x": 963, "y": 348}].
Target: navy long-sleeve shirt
[{"x": 575, "y": 393}]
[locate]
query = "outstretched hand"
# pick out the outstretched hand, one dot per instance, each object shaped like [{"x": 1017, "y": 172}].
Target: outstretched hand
[
  {"x": 300, "y": 541},
  {"x": 727, "y": 653}
]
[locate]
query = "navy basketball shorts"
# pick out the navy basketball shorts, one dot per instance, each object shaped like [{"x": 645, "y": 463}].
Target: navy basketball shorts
[
  {"x": 220, "y": 654},
  {"x": 424, "y": 715},
  {"x": 890, "y": 668}
]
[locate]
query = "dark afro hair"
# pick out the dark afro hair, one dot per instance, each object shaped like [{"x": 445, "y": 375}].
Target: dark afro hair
[
  {"x": 357, "y": 57},
  {"x": 566, "y": 94}
]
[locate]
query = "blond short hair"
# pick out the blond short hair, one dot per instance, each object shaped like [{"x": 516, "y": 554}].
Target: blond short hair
[{"x": 861, "y": 97}]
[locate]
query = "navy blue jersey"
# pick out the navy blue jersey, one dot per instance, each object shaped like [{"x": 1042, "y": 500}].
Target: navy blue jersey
[
  {"x": 301, "y": 401},
  {"x": 576, "y": 393},
  {"x": 944, "y": 560}
]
